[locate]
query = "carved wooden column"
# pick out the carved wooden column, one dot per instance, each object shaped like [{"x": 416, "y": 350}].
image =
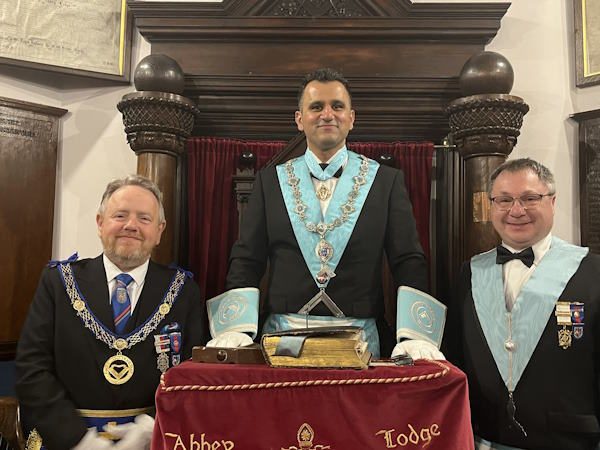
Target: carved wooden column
[
  {"x": 158, "y": 120},
  {"x": 484, "y": 125},
  {"x": 243, "y": 180}
]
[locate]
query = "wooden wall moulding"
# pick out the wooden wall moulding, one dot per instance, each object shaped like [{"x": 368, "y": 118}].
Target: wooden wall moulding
[
  {"x": 28, "y": 152},
  {"x": 244, "y": 59},
  {"x": 589, "y": 177}
]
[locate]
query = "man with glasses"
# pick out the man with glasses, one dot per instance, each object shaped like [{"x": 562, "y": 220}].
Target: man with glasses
[{"x": 524, "y": 325}]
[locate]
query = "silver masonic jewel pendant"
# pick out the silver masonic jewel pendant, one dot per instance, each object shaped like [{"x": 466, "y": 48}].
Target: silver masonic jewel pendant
[
  {"x": 324, "y": 250},
  {"x": 322, "y": 296}
]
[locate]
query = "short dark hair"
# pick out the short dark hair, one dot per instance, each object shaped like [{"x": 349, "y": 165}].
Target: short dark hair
[
  {"x": 516, "y": 165},
  {"x": 133, "y": 180},
  {"x": 324, "y": 75}
]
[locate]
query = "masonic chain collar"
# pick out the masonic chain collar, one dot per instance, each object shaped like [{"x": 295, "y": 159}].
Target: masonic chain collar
[
  {"x": 324, "y": 249},
  {"x": 118, "y": 369}
]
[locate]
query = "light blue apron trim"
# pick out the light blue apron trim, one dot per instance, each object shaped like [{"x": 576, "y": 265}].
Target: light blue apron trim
[
  {"x": 337, "y": 162},
  {"x": 484, "y": 444},
  {"x": 340, "y": 236},
  {"x": 284, "y": 322},
  {"x": 532, "y": 308},
  {"x": 234, "y": 310},
  {"x": 419, "y": 316}
]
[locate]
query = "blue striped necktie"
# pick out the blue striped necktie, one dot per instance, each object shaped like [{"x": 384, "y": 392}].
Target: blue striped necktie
[{"x": 121, "y": 304}]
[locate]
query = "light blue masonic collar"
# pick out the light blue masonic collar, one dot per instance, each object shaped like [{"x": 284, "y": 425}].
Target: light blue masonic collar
[
  {"x": 338, "y": 237},
  {"x": 338, "y": 161},
  {"x": 532, "y": 309}
]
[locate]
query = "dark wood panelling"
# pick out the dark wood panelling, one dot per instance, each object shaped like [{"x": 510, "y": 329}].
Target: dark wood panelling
[
  {"x": 381, "y": 104},
  {"x": 589, "y": 177},
  {"x": 244, "y": 60},
  {"x": 28, "y": 146}
]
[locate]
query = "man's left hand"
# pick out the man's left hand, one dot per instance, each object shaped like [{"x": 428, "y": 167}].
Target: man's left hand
[
  {"x": 418, "y": 349},
  {"x": 134, "y": 435}
]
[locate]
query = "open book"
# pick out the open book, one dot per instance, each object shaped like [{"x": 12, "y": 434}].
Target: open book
[{"x": 320, "y": 347}]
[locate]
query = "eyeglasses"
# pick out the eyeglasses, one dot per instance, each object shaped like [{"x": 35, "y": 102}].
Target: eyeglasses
[{"x": 527, "y": 201}]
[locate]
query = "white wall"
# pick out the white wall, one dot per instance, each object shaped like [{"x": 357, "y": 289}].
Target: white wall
[
  {"x": 536, "y": 37},
  {"x": 94, "y": 151},
  {"x": 92, "y": 147}
]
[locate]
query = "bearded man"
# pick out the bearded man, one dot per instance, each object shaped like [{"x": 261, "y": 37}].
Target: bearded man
[{"x": 101, "y": 331}]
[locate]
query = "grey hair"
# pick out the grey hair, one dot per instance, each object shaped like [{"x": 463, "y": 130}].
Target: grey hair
[
  {"x": 133, "y": 180},
  {"x": 323, "y": 75},
  {"x": 517, "y": 165}
]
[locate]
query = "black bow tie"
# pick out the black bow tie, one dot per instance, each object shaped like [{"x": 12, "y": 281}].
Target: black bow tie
[
  {"x": 504, "y": 255},
  {"x": 335, "y": 175}
]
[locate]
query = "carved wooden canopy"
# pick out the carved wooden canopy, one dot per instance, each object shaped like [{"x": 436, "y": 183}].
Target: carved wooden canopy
[{"x": 244, "y": 59}]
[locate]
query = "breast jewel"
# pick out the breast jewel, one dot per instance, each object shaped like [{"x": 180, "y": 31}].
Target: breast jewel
[
  {"x": 118, "y": 369},
  {"x": 324, "y": 249},
  {"x": 322, "y": 192}
]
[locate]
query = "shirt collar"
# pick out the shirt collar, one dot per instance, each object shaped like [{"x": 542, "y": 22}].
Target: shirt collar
[
  {"x": 330, "y": 159},
  {"x": 138, "y": 274},
  {"x": 539, "y": 248}
]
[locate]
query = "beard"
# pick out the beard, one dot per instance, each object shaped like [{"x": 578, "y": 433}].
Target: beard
[{"x": 126, "y": 258}]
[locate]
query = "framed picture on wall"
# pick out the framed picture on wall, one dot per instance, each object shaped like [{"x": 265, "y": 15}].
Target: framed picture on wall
[
  {"x": 587, "y": 41},
  {"x": 80, "y": 37}
]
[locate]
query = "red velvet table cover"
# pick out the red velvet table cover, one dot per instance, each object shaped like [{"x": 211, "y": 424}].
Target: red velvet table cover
[{"x": 247, "y": 407}]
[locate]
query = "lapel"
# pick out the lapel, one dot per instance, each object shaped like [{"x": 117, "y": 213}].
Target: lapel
[
  {"x": 91, "y": 279},
  {"x": 155, "y": 287}
]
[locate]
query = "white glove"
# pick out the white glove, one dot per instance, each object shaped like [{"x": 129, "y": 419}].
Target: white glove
[
  {"x": 135, "y": 435},
  {"x": 418, "y": 349},
  {"x": 230, "y": 339},
  {"x": 91, "y": 441}
]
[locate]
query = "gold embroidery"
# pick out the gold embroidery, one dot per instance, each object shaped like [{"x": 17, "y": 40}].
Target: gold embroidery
[
  {"x": 305, "y": 437},
  {"x": 423, "y": 437},
  {"x": 200, "y": 443},
  {"x": 34, "y": 441}
]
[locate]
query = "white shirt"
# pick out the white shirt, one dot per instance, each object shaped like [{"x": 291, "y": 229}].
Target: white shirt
[
  {"x": 516, "y": 273},
  {"x": 330, "y": 183},
  {"x": 135, "y": 287}
]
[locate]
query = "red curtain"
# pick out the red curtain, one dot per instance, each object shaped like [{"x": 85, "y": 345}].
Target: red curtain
[
  {"x": 415, "y": 160},
  {"x": 212, "y": 209}
]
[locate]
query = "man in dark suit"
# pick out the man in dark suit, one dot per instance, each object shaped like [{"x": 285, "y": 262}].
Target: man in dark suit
[
  {"x": 322, "y": 222},
  {"x": 101, "y": 331},
  {"x": 524, "y": 325}
]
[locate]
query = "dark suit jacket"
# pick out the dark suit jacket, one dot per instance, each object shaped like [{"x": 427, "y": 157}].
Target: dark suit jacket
[
  {"x": 557, "y": 398},
  {"x": 386, "y": 223},
  {"x": 59, "y": 361}
]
